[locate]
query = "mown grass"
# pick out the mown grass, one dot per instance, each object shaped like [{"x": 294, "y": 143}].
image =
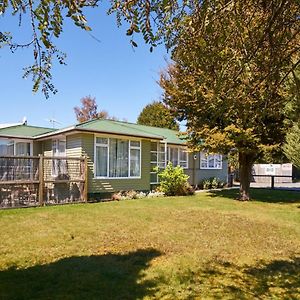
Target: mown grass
[{"x": 207, "y": 246}]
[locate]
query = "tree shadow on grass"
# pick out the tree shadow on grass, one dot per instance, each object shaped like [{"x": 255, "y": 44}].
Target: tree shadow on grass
[
  {"x": 261, "y": 195},
  {"x": 109, "y": 276},
  {"x": 278, "y": 279}
]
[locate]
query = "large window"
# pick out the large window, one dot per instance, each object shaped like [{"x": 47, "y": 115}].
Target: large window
[
  {"x": 210, "y": 161},
  {"x": 6, "y": 147},
  {"x": 178, "y": 156},
  {"x": 117, "y": 158},
  {"x": 22, "y": 148},
  {"x": 14, "y": 147},
  {"x": 15, "y": 168}
]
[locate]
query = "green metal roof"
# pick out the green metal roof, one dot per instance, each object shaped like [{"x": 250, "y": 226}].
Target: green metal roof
[
  {"x": 99, "y": 125},
  {"x": 170, "y": 136},
  {"x": 115, "y": 127},
  {"x": 24, "y": 131},
  {"x": 111, "y": 126}
]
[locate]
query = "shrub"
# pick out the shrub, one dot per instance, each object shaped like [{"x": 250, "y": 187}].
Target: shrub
[
  {"x": 214, "y": 183},
  {"x": 211, "y": 183},
  {"x": 206, "y": 184},
  {"x": 173, "y": 181}
]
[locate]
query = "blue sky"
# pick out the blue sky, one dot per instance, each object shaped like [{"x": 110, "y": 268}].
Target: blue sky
[{"x": 123, "y": 80}]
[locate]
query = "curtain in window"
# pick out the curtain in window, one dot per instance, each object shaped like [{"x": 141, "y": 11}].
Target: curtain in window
[
  {"x": 211, "y": 161},
  {"x": 23, "y": 148},
  {"x": 118, "y": 158},
  {"x": 101, "y": 162},
  {"x": 6, "y": 147},
  {"x": 174, "y": 156},
  {"x": 23, "y": 166},
  {"x": 135, "y": 162},
  {"x": 183, "y": 158},
  {"x": 59, "y": 166},
  {"x": 218, "y": 161}
]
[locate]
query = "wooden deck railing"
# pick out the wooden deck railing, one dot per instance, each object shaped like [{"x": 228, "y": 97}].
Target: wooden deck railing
[{"x": 42, "y": 180}]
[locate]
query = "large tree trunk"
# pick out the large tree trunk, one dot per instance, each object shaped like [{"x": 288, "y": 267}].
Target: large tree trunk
[{"x": 245, "y": 165}]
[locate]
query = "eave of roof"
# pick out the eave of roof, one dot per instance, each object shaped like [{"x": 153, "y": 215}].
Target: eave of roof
[
  {"x": 117, "y": 128},
  {"x": 23, "y": 131},
  {"x": 5, "y": 125},
  {"x": 19, "y": 137},
  {"x": 60, "y": 132}
]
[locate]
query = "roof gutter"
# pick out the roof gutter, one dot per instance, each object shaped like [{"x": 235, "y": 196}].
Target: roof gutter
[
  {"x": 53, "y": 133},
  {"x": 7, "y": 136}
]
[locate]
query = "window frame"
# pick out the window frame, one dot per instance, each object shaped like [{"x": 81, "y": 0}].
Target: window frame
[
  {"x": 179, "y": 149},
  {"x": 54, "y": 169},
  {"x": 95, "y": 156},
  {"x": 28, "y": 167},
  {"x": 129, "y": 155},
  {"x": 207, "y": 156},
  {"x": 161, "y": 164},
  {"x": 15, "y": 141},
  {"x": 57, "y": 141}
]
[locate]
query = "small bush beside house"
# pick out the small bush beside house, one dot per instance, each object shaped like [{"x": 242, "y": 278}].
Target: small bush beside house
[
  {"x": 211, "y": 183},
  {"x": 174, "y": 182}
]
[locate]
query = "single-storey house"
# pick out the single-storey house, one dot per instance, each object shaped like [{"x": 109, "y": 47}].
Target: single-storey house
[{"x": 120, "y": 155}]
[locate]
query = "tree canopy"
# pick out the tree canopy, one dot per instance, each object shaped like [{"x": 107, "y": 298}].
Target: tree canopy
[
  {"x": 292, "y": 109},
  {"x": 158, "y": 115},
  {"x": 89, "y": 110},
  {"x": 292, "y": 146},
  {"x": 228, "y": 73}
]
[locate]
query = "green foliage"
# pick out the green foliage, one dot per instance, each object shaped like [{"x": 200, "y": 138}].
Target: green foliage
[
  {"x": 211, "y": 183},
  {"x": 233, "y": 161},
  {"x": 206, "y": 184},
  {"x": 158, "y": 115},
  {"x": 292, "y": 146},
  {"x": 174, "y": 182},
  {"x": 154, "y": 20},
  {"x": 46, "y": 22},
  {"x": 5, "y": 39},
  {"x": 227, "y": 79},
  {"x": 292, "y": 108}
]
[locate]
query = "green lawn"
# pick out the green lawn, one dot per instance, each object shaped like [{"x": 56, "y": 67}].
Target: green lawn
[{"x": 207, "y": 246}]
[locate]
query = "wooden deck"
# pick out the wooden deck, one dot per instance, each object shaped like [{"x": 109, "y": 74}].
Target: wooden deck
[{"x": 39, "y": 180}]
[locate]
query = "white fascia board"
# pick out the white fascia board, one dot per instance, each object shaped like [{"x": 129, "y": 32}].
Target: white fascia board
[{"x": 53, "y": 133}]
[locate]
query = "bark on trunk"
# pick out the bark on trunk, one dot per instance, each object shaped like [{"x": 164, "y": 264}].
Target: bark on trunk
[{"x": 245, "y": 165}]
